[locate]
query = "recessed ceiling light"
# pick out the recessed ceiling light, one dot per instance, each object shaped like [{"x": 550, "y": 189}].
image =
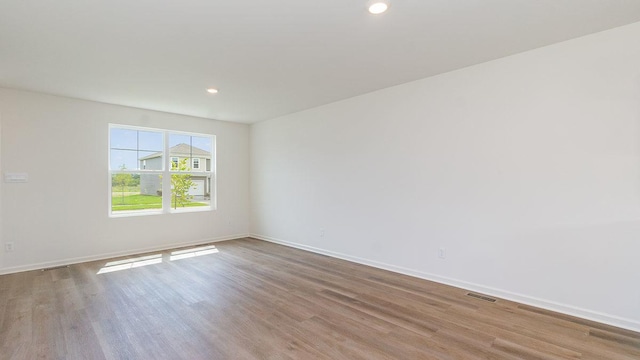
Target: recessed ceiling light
[
  {"x": 378, "y": 6},
  {"x": 212, "y": 91}
]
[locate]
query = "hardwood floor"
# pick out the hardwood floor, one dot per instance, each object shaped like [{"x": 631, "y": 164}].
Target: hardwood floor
[{"x": 248, "y": 299}]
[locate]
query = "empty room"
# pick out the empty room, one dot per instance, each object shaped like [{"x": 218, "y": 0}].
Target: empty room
[{"x": 344, "y": 179}]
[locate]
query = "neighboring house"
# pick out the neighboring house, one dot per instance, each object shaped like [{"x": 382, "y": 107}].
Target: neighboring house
[{"x": 198, "y": 161}]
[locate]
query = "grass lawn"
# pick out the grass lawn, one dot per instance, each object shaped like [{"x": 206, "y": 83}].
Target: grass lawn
[
  {"x": 140, "y": 202},
  {"x": 128, "y": 188}
]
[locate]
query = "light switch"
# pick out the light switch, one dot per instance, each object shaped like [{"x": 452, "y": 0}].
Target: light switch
[{"x": 16, "y": 177}]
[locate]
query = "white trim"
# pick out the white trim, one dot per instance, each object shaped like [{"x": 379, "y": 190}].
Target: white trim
[
  {"x": 82, "y": 259},
  {"x": 504, "y": 294},
  {"x": 189, "y": 209},
  {"x": 2, "y": 243},
  {"x": 165, "y": 184},
  {"x": 130, "y": 213}
]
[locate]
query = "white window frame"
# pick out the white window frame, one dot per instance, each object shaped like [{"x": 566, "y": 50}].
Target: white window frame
[
  {"x": 166, "y": 173},
  {"x": 193, "y": 163}
]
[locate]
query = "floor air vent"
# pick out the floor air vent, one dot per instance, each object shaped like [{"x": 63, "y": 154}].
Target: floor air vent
[
  {"x": 481, "y": 297},
  {"x": 55, "y": 268}
]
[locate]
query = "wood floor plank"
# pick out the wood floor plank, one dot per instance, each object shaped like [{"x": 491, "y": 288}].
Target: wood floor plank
[{"x": 251, "y": 299}]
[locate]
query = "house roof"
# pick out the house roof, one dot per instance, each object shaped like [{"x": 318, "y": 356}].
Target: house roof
[{"x": 183, "y": 150}]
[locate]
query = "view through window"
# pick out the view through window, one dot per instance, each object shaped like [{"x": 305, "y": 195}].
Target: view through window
[{"x": 156, "y": 171}]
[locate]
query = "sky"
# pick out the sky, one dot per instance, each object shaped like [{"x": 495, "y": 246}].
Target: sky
[{"x": 127, "y": 146}]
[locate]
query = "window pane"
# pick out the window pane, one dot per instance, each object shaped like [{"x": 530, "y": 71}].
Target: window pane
[
  {"x": 124, "y": 159},
  {"x": 150, "y": 141},
  {"x": 130, "y": 148},
  {"x": 190, "y": 190},
  {"x": 187, "y": 148},
  {"x": 151, "y": 160},
  {"x": 175, "y": 139},
  {"x": 203, "y": 143},
  {"x": 124, "y": 139},
  {"x": 135, "y": 192}
]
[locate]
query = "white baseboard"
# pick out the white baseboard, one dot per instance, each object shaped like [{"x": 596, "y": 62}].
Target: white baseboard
[
  {"x": 70, "y": 261},
  {"x": 504, "y": 294}
]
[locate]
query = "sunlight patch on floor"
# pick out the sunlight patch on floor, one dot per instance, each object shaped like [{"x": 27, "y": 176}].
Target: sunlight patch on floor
[
  {"x": 130, "y": 263},
  {"x": 193, "y": 252}
]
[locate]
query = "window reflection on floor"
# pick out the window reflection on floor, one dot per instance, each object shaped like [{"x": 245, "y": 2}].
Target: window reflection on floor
[
  {"x": 156, "y": 259},
  {"x": 131, "y": 263},
  {"x": 193, "y": 252}
]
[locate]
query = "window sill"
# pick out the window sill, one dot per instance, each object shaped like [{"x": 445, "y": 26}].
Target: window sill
[
  {"x": 191, "y": 209},
  {"x": 125, "y": 214}
]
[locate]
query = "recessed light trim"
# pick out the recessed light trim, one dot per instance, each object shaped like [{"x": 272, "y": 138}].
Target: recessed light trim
[
  {"x": 212, "y": 91},
  {"x": 378, "y": 6}
]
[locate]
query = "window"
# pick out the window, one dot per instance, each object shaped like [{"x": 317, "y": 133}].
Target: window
[{"x": 151, "y": 171}]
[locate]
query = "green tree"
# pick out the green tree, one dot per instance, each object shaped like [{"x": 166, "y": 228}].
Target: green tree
[
  {"x": 181, "y": 184},
  {"x": 122, "y": 181},
  {"x": 135, "y": 180}
]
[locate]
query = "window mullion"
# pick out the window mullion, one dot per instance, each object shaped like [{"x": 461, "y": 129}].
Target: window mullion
[{"x": 166, "y": 176}]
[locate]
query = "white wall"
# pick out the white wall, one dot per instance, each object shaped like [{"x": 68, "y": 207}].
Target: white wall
[
  {"x": 526, "y": 169},
  {"x": 61, "y": 215}
]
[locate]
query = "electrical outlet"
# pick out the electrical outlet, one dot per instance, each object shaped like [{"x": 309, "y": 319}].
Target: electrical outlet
[
  {"x": 442, "y": 253},
  {"x": 321, "y": 232},
  {"x": 8, "y": 247}
]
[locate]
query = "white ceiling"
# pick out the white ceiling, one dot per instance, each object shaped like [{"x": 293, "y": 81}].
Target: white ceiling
[{"x": 269, "y": 58}]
